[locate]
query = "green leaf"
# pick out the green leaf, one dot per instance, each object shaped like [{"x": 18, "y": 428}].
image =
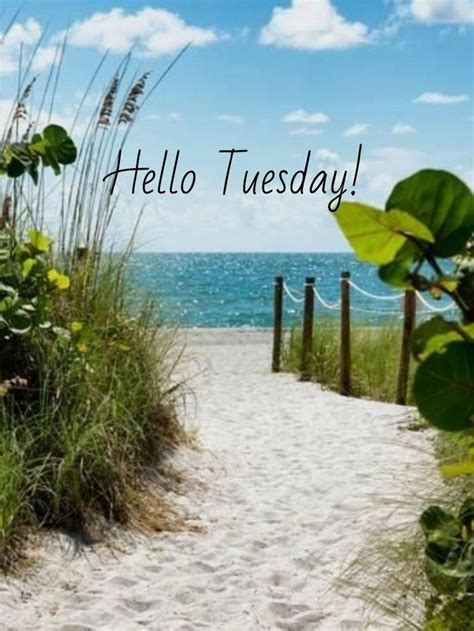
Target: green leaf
[
  {"x": 7, "y": 289},
  {"x": 28, "y": 266},
  {"x": 15, "y": 168},
  {"x": 39, "y": 240},
  {"x": 465, "y": 467},
  {"x": 440, "y": 201},
  {"x": 395, "y": 273},
  {"x": 436, "y": 333},
  {"x": 76, "y": 326},
  {"x": 60, "y": 281},
  {"x": 378, "y": 236},
  {"x": 435, "y": 518},
  {"x": 444, "y": 387},
  {"x": 59, "y": 145},
  {"x": 20, "y": 323}
]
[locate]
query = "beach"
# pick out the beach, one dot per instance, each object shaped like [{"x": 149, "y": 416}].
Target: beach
[{"x": 284, "y": 486}]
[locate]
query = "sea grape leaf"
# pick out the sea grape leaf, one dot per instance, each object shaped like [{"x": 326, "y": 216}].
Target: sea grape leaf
[
  {"x": 377, "y": 236},
  {"x": 28, "y": 266},
  {"x": 39, "y": 240},
  {"x": 59, "y": 144},
  {"x": 396, "y": 273},
  {"x": 60, "y": 281},
  {"x": 440, "y": 201},
  {"x": 434, "y": 334},
  {"x": 444, "y": 387},
  {"x": 435, "y": 518},
  {"x": 19, "y": 322}
]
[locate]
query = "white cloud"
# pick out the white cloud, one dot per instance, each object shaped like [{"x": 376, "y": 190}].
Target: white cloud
[
  {"x": 151, "y": 32},
  {"x": 402, "y": 128},
  {"x": 63, "y": 116},
  {"x": 358, "y": 129},
  {"x": 229, "y": 118},
  {"x": 23, "y": 37},
  {"x": 312, "y": 25},
  {"x": 301, "y": 116},
  {"x": 438, "y": 98},
  {"x": 442, "y": 11},
  {"x": 382, "y": 168},
  {"x": 327, "y": 155},
  {"x": 172, "y": 116},
  {"x": 306, "y": 131}
]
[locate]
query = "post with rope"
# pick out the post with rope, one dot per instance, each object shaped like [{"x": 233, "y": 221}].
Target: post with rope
[
  {"x": 277, "y": 322},
  {"x": 409, "y": 317},
  {"x": 307, "y": 341},
  {"x": 345, "y": 340}
]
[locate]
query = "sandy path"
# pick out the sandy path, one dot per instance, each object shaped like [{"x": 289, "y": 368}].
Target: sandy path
[{"x": 290, "y": 479}]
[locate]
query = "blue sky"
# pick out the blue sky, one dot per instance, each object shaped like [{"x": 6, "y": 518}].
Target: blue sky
[{"x": 276, "y": 77}]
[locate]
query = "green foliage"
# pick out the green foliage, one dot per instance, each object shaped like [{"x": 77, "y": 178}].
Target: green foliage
[
  {"x": 26, "y": 284},
  {"x": 444, "y": 386},
  {"x": 374, "y": 358},
  {"x": 52, "y": 148},
  {"x": 436, "y": 333},
  {"x": 449, "y": 548},
  {"x": 85, "y": 400},
  {"x": 442, "y": 209},
  {"x": 92, "y": 410},
  {"x": 444, "y": 379},
  {"x": 376, "y": 236},
  {"x": 442, "y": 203}
]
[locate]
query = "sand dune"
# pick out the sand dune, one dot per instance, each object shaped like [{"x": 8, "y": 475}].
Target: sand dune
[{"x": 287, "y": 484}]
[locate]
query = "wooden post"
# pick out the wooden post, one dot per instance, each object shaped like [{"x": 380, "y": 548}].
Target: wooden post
[
  {"x": 345, "y": 340},
  {"x": 409, "y": 317},
  {"x": 277, "y": 322},
  {"x": 307, "y": 340}
]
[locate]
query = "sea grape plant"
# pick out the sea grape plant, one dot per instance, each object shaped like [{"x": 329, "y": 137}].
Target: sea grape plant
[
  {"x": 27, "y": 279},
  {"x": 51, "y": 148},
  {"x": 428, "y": 220},
  {"x": 26, "y": 283},
  {"x": 449, "y": 548},
  {"x": 423, "y": 240}
]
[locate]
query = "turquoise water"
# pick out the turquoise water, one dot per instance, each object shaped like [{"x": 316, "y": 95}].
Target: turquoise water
[{"x": 236, "y": 290}]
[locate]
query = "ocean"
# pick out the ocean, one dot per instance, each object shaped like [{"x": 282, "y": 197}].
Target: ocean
[{"x": 236, "y": 290}]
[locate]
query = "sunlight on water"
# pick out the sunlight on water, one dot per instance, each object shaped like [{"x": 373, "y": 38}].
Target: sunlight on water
[{"x": 236, "y": 290}]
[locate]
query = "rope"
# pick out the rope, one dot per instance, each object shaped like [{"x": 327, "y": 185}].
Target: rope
[
  {"x": 289, "y": 292},
  {"x": 328, "y": 305},
  {"x": 335, "y": 305},
  {"x": 433, "y": 308},
  {"x": 374, "y": 296}
]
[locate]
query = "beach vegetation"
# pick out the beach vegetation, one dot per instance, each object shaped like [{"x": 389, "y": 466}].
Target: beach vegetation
[
  {"x": 428, "y": 219},
  {"x": 87, "y": 390},
  {"x": 374, "y": 358}
]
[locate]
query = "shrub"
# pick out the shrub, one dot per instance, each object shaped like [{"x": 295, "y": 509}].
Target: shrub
[{"x": 429, "y": 218}]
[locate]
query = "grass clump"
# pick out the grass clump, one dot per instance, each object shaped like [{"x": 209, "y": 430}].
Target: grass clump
[
  {"x": 87, "y": 395},
  {"x": 89, "y": 407},
  {"x": 393, "y": 574},
  {"x": 375, "y": 356}
]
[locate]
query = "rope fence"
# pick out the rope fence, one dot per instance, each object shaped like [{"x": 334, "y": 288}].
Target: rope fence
[
  {"x": 430, "y": 308},
  {"x": 408, "y": 311}
]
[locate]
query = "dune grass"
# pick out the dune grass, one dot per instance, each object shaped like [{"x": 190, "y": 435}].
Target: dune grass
[
  {"x": 78, "y": 434},
  {"x": 375, "y": 356},
  {"x": 389, "y": 574},
  {"x": 88, "y": 402}
]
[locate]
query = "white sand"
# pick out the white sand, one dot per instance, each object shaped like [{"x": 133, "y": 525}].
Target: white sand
[{"x": 289, "y": 483}]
